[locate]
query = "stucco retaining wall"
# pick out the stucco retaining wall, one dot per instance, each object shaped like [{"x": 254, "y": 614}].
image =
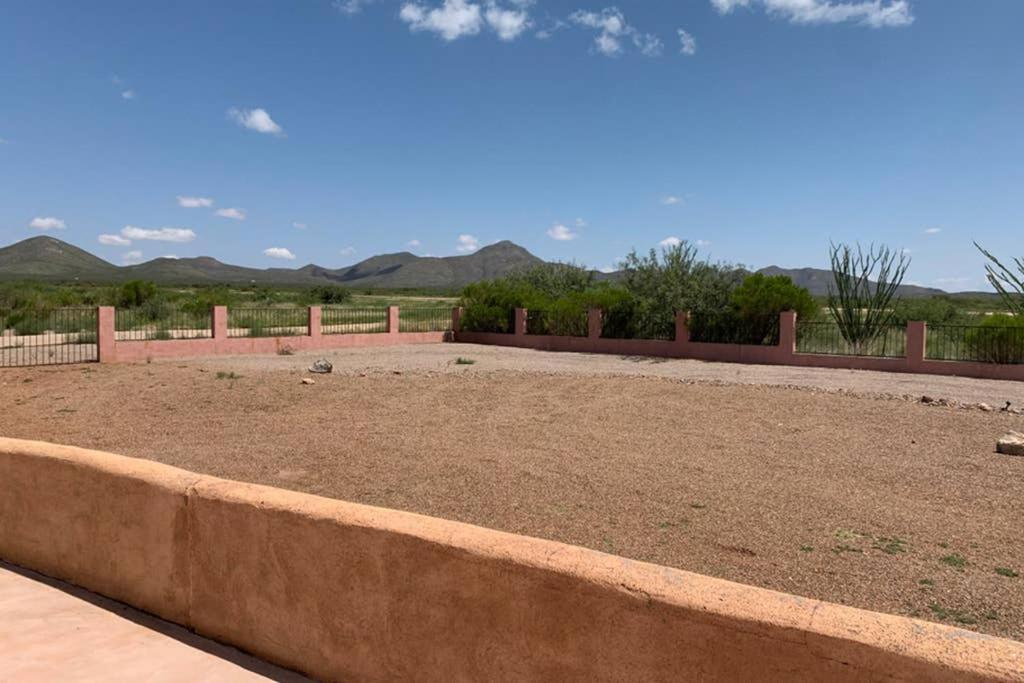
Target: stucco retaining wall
[{"x": 350, "y": 592}]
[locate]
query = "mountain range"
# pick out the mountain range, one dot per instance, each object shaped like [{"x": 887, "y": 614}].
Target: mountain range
[{"x": 50, "y": 259}]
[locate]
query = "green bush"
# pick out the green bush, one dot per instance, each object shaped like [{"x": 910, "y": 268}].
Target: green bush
[
  {"x": 999, "y": 339},
  {"x": 936, "y": 310},
  {"x": 330, "y": 294},
  {"x": 756, "y": 304},
  {"x": 135, "y": 293}
]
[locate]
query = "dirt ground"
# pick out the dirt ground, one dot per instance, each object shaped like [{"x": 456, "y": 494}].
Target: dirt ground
[{"x": 823, "y": 491}]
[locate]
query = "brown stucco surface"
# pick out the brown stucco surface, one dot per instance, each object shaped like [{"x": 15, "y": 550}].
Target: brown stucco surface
[{"x": 348, "y": 592}]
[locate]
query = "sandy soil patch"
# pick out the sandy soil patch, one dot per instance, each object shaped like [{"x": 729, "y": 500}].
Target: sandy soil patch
[{"x": 883, "y": 504}]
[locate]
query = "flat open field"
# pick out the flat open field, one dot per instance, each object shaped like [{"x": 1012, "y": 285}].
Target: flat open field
[{"x": 878, "y": 503}]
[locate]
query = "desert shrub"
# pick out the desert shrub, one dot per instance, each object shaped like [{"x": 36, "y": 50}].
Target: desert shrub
[
  {"x": 753, "y": 316},
  {"x": 936, "y": 310},
  {"x": 329, "y": 294},
  {"x": 999, "y": 339},
  {"x": 553, "y": 280},
  {"x": 488, "y": 305},
  {"x": 135, "y": 293}
]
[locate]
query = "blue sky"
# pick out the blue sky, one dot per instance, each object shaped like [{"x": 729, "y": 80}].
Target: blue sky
[{"x": 333, "y": 131}]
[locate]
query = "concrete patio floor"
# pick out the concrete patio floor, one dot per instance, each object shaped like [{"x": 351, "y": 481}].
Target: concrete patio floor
[{"x": 51, "y": 630}]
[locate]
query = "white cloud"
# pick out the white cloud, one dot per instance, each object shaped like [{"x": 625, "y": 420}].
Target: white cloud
[
  {"x": 351, "y": 6},
  {"x": 413, "y": 243},
  {"x": 551, "y": 29},
  {"x": 873, "y": 13},
  {"x": 507, "y": 23},
  {"x": 114, "y": 240},
  {"x": 952, "y": 280},
  {"x": 670, "y": 200},
  {"x": 131, "y": 257},
  {"x": 687, "y": 43},
  {"x": 613, "y": 29},
  {"x": 255, "y": 119},
  {"x": 299, "y": 226},
  {"x": 467, "y": 244},
  {"x": 279, "y": 252},
  {"x": 932, "y": 231},
  {"x": 173, "y": 257},
  {"x": 128, "y": 94},
  {"x": 236, "y": 214},
  {"x": 158, "y": 234},
  {"x": 671, "y": 241},
  {"x": 47, "y": 223},
  {"x": 607, "y": 269},
  {"x": 561, "y": 233},
  {"x": 452, "y": 20},
  {"x": 194, "y": 202},
  {"x": 703, "y": 243},
  {"x": 580, "y": 223},
  {"x": 347, "y": 251}
]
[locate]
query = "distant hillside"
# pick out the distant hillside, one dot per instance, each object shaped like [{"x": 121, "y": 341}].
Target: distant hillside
[
  {"x": 816, "y": 281},
  {"x": 50, "y": 259}
]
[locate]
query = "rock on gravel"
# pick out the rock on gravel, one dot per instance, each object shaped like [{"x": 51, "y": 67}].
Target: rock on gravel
[
  {"x": 1011, "y": 444},
  {"x": 308, "y": 380},
  {"x": 321, "y": 366}
]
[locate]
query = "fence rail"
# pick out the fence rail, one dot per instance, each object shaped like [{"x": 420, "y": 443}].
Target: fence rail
[
  {"x": 267, "y": 321},
  {"x": 557, "y": 323},
  {"x": 424, "y": 319},
  {"x": 133, "y": 324},
  {"x": 827, "y": 338},
  {"x": 979, "y": 343},
  {"x": 341, "y": 320},
  {"x": 48, "y": 337}
]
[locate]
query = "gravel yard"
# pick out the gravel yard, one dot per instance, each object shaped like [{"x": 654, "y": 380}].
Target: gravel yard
[{"x": 800, "y": 480}]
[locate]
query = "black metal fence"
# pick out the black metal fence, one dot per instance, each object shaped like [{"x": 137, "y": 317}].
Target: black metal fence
[
  {"x": 424, "y": 319},
  {"x": 48, "y": 337},
  {"x": 135, "y": 324},
  {"x": 979, "y": 343},
  {"x": 268, "y": 321},
  {"x": 562, "y": 323},
  {"x": 827, "y": 338},
  {"x": 630, "y": 324},
  {"x": 340, "y": 320},
  {"x": 725, "y": 328}
]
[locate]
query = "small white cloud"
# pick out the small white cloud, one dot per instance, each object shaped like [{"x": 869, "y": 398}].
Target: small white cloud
[
  {"x": 703, "y": 243},
  {"x": 114, "y": 240},
  {"x": 670, "y": 200},
  {"x": 613, "y": 29},
  {"x": 347, "y": 251},
  {"x": 255, "y": 119},
  {"x": 158, "y": 234},
  {"x": 467, "y": 244},
  {"x": 687, "y": 43},
  {"x": 873, "y": 13},
  {"x": 47, "y": 223},
  {"x": 671, "y": 241},
  {"x": 932, "y": 231},
  {"x": 128, "y": 94},
  {"x": 561, "y": 233},
  {"x": 299, "y": 226},
  {"x": 194, "y": 202},
  {"x": 952, "y": 280},
  {"x": 351, "y": 6},
  {"x": 131, "y": 257},
  {"x": 173, "y": 257},
  {"x": 235, "y": 214},
  {"x": 452, "y": 20},
  {"x": 413, "y": 243},
  {"x": 507, "y": 23},
  {"x": 279, "y": 252},
  {"x": 580, "y": 223}
]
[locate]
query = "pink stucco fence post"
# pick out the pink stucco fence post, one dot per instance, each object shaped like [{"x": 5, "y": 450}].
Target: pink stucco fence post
[
  {"x": 519, "y": 322},
  {"x": 393, "y": 325},
  {"x": 917, "y": 338},
  {"x": 787, "y": 333},
  {"x": 106, "y": 337},
  {"x": 457, "y": 318},
  {"x": 594, "y": 323},
  {"x": 314, "y": 322},
  {"x": 220, "y": 322}
]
